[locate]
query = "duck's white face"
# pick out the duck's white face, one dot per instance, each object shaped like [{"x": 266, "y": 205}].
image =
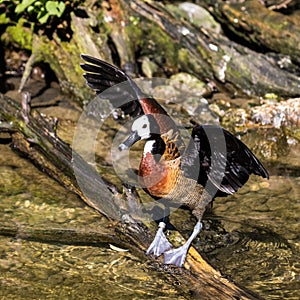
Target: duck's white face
[{"x": 142, "y": 127}]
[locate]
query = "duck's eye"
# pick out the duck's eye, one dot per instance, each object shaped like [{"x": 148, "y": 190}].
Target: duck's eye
[{"x": 144, "y": 126}]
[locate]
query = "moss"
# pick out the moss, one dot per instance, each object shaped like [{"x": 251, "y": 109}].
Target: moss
[
  {"x": 20, "y": 34},
  {"x": 164, "y": 44},
  {"x": 151, "y": 41},
  {"x": 73, "y": 61},
  {"x": 187, "y": 60},
  {"x": 134, "y": 31}
]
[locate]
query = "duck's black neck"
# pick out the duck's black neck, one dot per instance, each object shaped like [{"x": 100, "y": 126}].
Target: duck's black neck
[{"x": 155, "y": 145}]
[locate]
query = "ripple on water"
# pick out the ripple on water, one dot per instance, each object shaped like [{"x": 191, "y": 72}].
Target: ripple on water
[
  {"x": 31, "y": 270},
  {"x": 266, "y": 258}
]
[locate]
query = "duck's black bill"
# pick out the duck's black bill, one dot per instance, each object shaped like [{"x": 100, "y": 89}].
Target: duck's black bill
[{"x": 132, "y": 139}]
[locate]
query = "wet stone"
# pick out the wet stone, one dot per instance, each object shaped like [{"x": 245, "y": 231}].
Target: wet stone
[{"x": 196, "y": 15}]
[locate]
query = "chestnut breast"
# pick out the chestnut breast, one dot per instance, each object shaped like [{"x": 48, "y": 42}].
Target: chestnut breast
[{"x": 159, "y": 177}]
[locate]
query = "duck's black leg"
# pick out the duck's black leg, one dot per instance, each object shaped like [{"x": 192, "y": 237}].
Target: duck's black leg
[
  {"x": 177, "y": 256},
  {"x": 165, "y": 213}
]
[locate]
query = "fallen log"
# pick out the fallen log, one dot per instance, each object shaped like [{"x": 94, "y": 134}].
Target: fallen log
[
  {"x": 35, "y": 137},
  {"x": 212, "y": 56},
  {"x": 260, "y": 27}
]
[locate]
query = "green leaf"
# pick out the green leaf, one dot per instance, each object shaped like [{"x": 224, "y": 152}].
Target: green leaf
[
  {"x": 23, "y": 6},
  {"x": 44, "y": 18},
  {"x": 4, "y": 19},
  {"x": 38, "y": 3},
  {"x": 30, "y": 9},
  {"x": 51, "y": 7},
  {"x": 54, "y": 8},
  {"x": 61, "y": 8}
]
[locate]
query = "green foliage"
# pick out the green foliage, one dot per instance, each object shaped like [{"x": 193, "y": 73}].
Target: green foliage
[
  {"x": 43, "y": 17},
  {"x": 20, "y": 34},
  {"x": 42, "y": 9},
  {"x": 35, "y": 11},
  {"x": 5, "y": 8}
]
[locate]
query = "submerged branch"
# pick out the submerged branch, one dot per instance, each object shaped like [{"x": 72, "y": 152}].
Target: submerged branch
[{"x": 57, "y": 235}]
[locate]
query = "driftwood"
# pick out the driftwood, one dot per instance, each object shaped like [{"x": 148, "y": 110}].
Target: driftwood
[{"x": 34, "y": 136}]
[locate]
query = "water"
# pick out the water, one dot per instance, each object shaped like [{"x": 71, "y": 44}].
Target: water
[
  {"x": 35, "y": 270},
  {"x": 265, "y": 258}
]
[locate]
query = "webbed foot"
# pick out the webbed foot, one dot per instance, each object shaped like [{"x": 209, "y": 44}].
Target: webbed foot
[
  {"x": 177, "y": 256},
  {"x": 160, "y": 243}
]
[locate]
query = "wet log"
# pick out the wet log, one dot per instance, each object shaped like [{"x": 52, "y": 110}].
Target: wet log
[
  {"x": 57, "y": 235},
  {"x": 35, "y": 137},
  {"x": 230, "y": 65},
  {"x": 262, "y": 29}
]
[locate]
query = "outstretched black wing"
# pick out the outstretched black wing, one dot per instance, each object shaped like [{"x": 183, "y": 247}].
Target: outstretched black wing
[
  {"x": 113, "y": 84},
  {"x": 219, "y": 161}
]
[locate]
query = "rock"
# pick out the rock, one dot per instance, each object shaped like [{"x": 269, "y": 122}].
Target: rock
[{"x": 196, "y": 15}]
